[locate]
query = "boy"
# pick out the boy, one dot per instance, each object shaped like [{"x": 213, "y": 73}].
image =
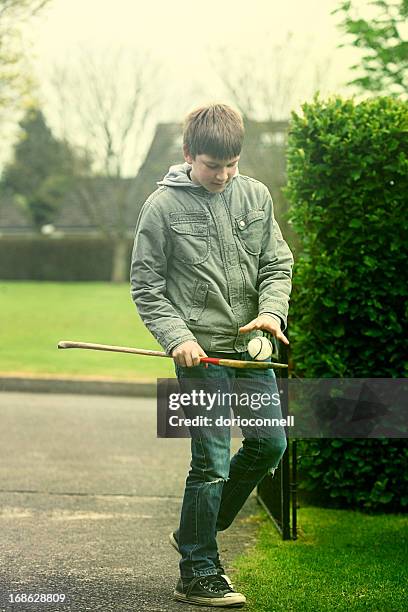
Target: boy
[{"x": 209, "y": 270}]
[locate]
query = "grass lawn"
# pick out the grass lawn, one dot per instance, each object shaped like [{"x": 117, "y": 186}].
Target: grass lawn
[
  {"x": 343, "y": 560},
  {"x": 36, "y": 315}
]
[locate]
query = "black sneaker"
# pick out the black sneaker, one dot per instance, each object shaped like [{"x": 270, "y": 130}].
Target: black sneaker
[
  {"x": 220, "y": 570},
  {"x": 211, "y": 590}
]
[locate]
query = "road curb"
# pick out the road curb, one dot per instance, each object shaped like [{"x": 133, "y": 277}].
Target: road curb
[{"x": 27, "y": 384}]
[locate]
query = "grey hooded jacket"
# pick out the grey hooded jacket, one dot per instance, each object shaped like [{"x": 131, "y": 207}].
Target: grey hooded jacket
[{"x": 205, "y": 264}]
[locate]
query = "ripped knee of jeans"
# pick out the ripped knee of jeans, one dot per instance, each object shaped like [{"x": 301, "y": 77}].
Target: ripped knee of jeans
[{"x": 217, "y": 480}]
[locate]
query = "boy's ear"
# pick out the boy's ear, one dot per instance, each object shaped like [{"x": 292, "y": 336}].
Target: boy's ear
[{"x": 187, "y": 155}]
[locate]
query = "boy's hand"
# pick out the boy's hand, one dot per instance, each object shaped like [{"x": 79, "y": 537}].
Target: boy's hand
[
  {"x": 266, "y": 323},
  {"x": 188, "y": 354}
]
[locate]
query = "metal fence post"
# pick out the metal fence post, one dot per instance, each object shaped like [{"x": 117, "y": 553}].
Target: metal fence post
[{"x": 277, "y": 494}]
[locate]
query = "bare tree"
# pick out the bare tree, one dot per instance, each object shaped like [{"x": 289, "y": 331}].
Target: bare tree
[
  {"x": 106, "y": 106},
  {"x": 21, "y": 9},
  {"x": 265, "y": 82}
]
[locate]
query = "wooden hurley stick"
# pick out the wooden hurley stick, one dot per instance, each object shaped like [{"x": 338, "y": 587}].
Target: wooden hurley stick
[{"x": 230, "y": 363}]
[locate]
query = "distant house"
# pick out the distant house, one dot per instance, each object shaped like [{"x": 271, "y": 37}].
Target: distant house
[
  {"x": 263, "y": 157},
  {"x": 13, "y": 219},
  {"x": 76, "y": 214}
]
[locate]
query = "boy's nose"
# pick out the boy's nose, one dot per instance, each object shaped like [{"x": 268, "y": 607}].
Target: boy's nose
[{"x": 222, "y": 175}]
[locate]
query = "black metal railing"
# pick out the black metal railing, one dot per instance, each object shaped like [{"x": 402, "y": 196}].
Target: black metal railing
[{"x": 277, "y": 493}]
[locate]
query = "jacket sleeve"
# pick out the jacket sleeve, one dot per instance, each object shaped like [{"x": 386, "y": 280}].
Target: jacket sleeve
[
  {"x": 148, "y": 280},
  {"x": 275, "y": 268}
]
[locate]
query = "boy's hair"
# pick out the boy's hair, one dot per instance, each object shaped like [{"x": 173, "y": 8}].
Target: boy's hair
[{"x": 216, "y": 130}]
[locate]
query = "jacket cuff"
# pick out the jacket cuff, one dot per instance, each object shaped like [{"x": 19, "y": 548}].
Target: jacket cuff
[
  {"x": 170, "y": 346},
  {"x": 276, "y": 317}
]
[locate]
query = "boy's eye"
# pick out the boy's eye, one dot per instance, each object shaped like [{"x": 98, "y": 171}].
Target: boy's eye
[{"x": 229, "y": 166}]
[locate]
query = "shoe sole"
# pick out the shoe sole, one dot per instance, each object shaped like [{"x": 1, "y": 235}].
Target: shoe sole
[
  {"x": 174, "y": 544},
  {"x": 219, "y": 602}
]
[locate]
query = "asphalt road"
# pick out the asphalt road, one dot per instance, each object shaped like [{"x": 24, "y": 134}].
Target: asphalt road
[{"x": 88, "y": 496}]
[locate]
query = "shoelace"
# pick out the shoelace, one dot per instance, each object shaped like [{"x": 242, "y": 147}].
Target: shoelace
[{"x": 214, "y": 583}]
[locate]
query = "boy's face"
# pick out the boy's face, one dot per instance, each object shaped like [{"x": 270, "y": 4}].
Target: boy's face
[{"x": 213, "y": 174}]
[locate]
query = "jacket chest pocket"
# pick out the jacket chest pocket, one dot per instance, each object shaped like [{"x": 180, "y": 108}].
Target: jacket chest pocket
[
  {"x": 190, "y": 237},
  {"x": 249, "y": 228}
]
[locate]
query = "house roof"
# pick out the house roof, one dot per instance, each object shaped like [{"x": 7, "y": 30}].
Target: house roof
[
  {"x": 112, "y": 201},
  {"x": 13, "y": 217}
]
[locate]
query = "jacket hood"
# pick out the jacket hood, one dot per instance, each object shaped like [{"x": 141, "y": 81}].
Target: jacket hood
[{"x": 177, "y": 176}]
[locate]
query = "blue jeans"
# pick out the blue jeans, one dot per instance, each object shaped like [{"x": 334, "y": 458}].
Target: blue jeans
[{"x": 217, "y": 486}]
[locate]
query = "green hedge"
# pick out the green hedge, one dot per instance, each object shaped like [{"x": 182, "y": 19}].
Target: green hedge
[
  {"x": 56, "y": 259},
  {"x": 365, "y": 474},
  {"x": 347, "y": 185}
]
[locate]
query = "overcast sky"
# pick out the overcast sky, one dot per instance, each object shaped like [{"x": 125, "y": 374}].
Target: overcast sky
[{"x": 181, "y": 37}]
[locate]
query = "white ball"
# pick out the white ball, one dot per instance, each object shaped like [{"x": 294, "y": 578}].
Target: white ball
[{"x": 260, "y": 348}]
